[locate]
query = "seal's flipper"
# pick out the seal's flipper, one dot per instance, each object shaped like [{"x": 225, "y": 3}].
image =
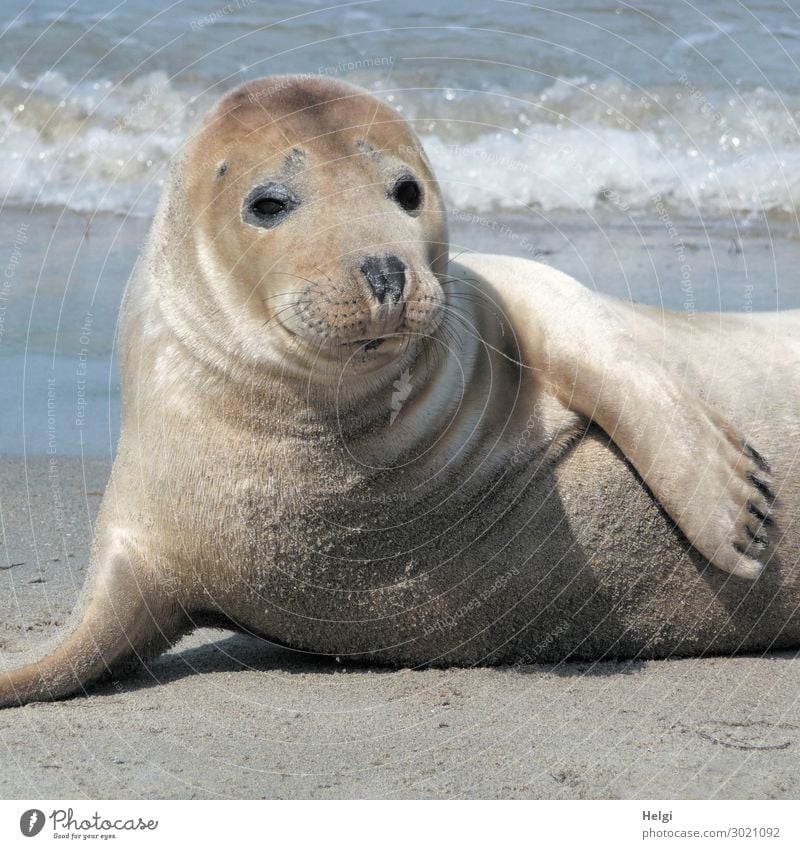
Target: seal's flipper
[
  {"x": 124, "y": 620},
  {"x": 713, "y": 484}
]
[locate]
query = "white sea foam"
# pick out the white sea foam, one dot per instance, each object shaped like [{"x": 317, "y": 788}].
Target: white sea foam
[
  {"x": 90, "y": 146},
  {"x": 575, "y": 145}
]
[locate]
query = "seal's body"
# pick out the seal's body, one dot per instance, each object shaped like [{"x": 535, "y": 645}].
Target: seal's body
[
  {"x": 471, "y": 540},
  {"x": 334, "y": 440}
]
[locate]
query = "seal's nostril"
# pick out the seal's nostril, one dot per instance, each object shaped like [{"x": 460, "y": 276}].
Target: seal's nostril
[{"x": 386, "y": 276}]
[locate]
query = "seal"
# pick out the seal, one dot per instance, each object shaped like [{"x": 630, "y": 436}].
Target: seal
[{"x": 338, "y": 439}]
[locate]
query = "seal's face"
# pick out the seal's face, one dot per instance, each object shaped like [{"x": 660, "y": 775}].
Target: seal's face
[{"x": 321, "y": 220}]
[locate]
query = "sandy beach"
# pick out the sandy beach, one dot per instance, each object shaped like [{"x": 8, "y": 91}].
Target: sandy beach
[{"x": 224, "y": 716}]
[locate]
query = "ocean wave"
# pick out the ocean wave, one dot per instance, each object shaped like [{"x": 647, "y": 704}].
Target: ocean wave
[
  {"x": 100, "y": 146},
  {"x": 91, "y": 146}
]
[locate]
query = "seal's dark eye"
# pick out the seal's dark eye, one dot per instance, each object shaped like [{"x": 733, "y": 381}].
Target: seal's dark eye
[
  {"x": 267, "y": 206},
  {"x": 408, "y": 194}
]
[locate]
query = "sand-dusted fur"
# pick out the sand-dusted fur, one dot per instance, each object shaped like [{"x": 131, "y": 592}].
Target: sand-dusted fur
[{"x": 336, "y": 439}]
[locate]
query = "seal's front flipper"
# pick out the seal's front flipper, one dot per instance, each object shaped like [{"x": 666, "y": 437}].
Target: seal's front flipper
[
  {"x": 125, "y": 618},
  {"x": 709, "y": 479},
  {"x": 712, "y": 483}
]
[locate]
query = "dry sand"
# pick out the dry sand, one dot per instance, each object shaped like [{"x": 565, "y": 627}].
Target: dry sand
[{"x": 230, "y": 717}]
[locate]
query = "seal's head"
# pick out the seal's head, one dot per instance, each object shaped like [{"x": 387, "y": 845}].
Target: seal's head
[{"x": 317, "y": 222}]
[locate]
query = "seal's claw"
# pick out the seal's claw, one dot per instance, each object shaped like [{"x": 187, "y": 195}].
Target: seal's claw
[
  {"x": 747, "y": 495},
  {"x": 760, "y": 540},
  {"x": 762, "y": 486},
  {"x": 764, "y": 518},
  {"x": 756, "y": 457}
]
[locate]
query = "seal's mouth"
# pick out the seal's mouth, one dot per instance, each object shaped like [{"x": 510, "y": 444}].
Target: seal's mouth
[
  {"x": 372, "y": 344},
  {"x": 338, "y": 328}
]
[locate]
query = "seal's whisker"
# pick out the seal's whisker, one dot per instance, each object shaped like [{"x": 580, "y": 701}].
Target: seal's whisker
[
  {"x": 295, "y": 276},
  {"x": 324, "y": 274},
  {"x": 461, "y": 253},
  {"x": 457, "y": 310},
  {"x": 449, "y": 310},
  {"x": 451, "y": 334},
  {"x": 469, "y": 327},
  {"x": 281, "y": 295},
  {"x": 281, "y": 311},
  {"x": 469, "y": 297}
]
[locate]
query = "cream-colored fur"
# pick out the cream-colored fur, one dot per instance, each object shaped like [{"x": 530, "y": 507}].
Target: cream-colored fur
[{"x": 420, "y": 479}]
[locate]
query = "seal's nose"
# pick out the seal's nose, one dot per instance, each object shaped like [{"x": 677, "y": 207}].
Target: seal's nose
[{"x": 386, "y": 276}]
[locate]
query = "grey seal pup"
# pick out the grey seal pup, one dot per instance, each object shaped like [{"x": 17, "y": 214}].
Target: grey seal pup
[{"x": 337, "y": 439}]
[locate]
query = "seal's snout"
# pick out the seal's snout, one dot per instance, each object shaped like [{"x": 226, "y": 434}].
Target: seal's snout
[{"x": 386, "y": 276}]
